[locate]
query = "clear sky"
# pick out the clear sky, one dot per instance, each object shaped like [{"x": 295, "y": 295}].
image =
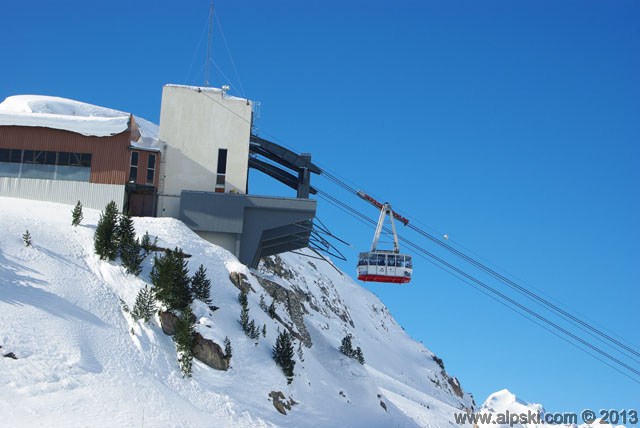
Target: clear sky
[{"x": 510, "y": 126}]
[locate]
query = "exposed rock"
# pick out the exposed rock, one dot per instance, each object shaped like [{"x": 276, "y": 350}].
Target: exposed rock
[
  {"x": 275, "y": 265},
  {"x": 292, "y": 303},
  {"x": 330, "y": 303},
  {"x": 280, "y": 403},
  {"x": 455, "y": 385},
  {"x": 11, "y": 355},
  {"x": 383, "y": 405},
  {"x": 209, "y": 352},
  {"x": 241, "y": 281},
  {"x": 168, "y": 322}
]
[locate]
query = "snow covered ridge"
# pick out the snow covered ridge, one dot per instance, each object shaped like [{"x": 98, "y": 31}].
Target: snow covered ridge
[
  {"x": 83, "y": 361},
  {"x": 71, "y": 115}
]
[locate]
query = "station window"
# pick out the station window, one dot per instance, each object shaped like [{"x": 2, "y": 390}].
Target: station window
[
  {"x": 44, "y": 164},
  {"x": 222, "y": 170},
  {"x": 133, "y": 169},
  {"x": 151, "y": 168}
]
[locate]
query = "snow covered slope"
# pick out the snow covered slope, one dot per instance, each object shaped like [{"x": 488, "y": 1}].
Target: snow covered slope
[{"x": 82, "y": 361}]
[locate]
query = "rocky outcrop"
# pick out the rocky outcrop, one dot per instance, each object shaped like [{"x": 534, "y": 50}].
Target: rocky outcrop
[
  {"x": 11, "y": 355},
  {"x": 241, "y": 281},
  {"x": 168, "y": 322},
  {"x": 204, "y": 350},
  {"x": 293, "y": 304},
  {"x": 209, "y": 352},
  {"x": 279, "y": 402}
]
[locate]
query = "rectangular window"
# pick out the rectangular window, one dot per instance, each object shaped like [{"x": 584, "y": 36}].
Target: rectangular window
[
  {"x": 151, "y": 168},
  {"x": 133, "y": 169},
  {"x": 222, "y": 170},
  {"x": 45, "y": 164},
  {"x": 16, "y": 156}
]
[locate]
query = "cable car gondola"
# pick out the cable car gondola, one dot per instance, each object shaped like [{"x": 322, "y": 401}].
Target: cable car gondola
[{"x": 384, "y": 265}]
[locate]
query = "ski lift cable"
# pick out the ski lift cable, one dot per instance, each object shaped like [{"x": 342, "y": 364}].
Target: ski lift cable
[
  {"x": 516, "y": 306},
  {"x": 522, "y": 289},
  {"x": 514, "y": 285}
]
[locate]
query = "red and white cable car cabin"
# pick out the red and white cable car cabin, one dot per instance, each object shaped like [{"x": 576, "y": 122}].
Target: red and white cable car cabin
[{"x": 384, "y": 265}]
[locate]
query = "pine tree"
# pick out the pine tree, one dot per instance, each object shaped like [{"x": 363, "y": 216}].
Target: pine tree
[
  {"x": 300, "y": 353},
  {"x": 132, "y": 258},
  {"x": 145, "y": 305},
  {"x": 262, "y": 303},
  {"x": 146, "y": 243},
  {"x": 125, "y": 233},
  {"x": 201, "y": 286},
  {"x": 346, "y": 347},
  {"x": 228, "y": 351},
  {"x": 26, "y": 238},
  {"x": 184, "y": 338},
  {"x": 104, "y": 241},
  {"x": 264, "y": 330},
  {"x": 283, "y": 354},
  {"x": 170, "y": 277},
  {"x": 358, "y": 355},
  {"x": 272, "y": 309},
  {"x": 76, "y": 215},
  {"x": 244, "y": 311}
]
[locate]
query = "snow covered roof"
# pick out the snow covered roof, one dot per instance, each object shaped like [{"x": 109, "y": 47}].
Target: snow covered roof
[
  {"x": 207, "y": 89},
  {"x": 75, "y": 116}
]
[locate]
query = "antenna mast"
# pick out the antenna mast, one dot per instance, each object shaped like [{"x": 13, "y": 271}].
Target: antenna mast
[{"x": 207, "y": 65}]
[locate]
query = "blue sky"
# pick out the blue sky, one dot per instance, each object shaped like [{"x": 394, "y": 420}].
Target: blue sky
[{"x": 510, "y": 126}]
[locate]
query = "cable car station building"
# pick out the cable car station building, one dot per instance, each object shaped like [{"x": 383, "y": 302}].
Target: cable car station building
[{"x": 195, "y": 169}]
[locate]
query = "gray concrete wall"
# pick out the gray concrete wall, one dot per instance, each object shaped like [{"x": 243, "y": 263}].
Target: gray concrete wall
[{"x": 265, "y": 225}]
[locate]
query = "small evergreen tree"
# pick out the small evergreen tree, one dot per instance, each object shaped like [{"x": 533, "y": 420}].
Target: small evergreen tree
[
  {"x": 125, "y": 233},
  {"x": 145, "y": 305},
  {"x": 228, "y": 351},
  {"x": 300, "y": 352},
  {"x": 184, "y": 338},
  {"x": 26, "y": 238},
  {"x": 146, "y": 243},
  {"x": 262, "y": 304},
  {"x": 272, "y": 309},
  {"x": 264, "y": 330},
  {"x": 244, "y": 310},
  {"x": 346, "y": 347},
  {"x": 201, "y": 286},
  {"x": 76, "y": 214},
  {"x": 283, "y": 354},
  {"x": 105, "y": 245},
  {"x": 132, "y": 258},
  {"x": 359, "y": 357},
  {"x": 170, "y": 277}
]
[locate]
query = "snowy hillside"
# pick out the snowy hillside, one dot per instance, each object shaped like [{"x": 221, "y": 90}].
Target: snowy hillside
[{"x": 82, "y": 360}]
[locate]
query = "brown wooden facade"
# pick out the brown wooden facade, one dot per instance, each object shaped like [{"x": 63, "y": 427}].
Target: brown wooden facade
[{"x": 110, "y": 156}]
